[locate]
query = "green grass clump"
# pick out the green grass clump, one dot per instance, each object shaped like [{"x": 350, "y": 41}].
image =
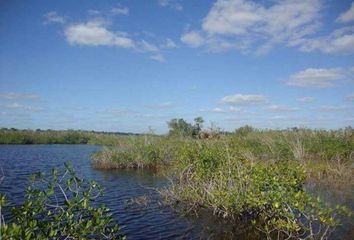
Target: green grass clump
[{"x": 140, "y": 153}]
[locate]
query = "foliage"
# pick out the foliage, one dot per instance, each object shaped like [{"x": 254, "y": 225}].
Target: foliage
[
  {"x": 14, "y": 136},
  {"x": 181, "y": 128},
  {"x": 60, "y": 207},
  {"x": 270, "y": 195},
  {"x": 254, "y": 175},
  {"x": 139, "y": 153}
]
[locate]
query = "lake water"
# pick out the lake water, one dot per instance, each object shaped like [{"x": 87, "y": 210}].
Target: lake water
[{"x": 151, "y": 221}]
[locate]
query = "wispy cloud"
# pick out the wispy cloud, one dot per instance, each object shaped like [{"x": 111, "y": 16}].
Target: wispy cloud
[
  {"x": 328, "y": 108},
  {"x": 22, "y": 107},
  {"x": 15, "y": 96},
  {"x": 53, "y": 17},
  {"x": 306, "y": 99},
  {"x": 148, "y": 47},
  {"x": 281, "y": 108},
  {"x": 235, "y": 109},
  {"x": 120, "y": 11},
  {"x": 213, "y": 110},
  {"x": 340, "y": 41},
  {"x": 173, "y": 4},
  {"x": 93, "y": 12},
  {"x": 155, "y": 116},
  {"x": 158, "y": 57},
  {"x": 164, "y": 105},
  {"x": 317, "y": 78},
  {"x": 347, "y": 16},
  {"x": 244, "y": 99},
  {"x": 169, "y": 44},
  {"x": 120, "y": 111}
]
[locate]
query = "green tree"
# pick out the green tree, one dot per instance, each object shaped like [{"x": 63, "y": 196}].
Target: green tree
[
  {"x": 180, "y": 127},
  {"x": 198, "y": 125}
]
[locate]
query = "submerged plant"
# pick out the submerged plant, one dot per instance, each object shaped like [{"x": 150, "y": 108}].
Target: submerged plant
[{"x": 60, "y": 206}]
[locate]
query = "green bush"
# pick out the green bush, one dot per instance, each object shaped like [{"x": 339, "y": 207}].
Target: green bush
[{"x": 60, "y": 206}]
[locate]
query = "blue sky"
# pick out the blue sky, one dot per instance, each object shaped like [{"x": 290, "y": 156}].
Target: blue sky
[{"x": 130, "y": 65}]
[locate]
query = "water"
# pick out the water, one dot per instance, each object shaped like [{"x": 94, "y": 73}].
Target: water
[{"x": 138, "y": 221}]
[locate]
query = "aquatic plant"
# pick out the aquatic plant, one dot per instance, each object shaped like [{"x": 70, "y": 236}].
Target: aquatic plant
[
  {"x": 268, "y": 194},
  {"x": 60, "y": 206}
]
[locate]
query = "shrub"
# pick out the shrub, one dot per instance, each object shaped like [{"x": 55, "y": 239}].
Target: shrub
[{"x": 60, "y": 207}]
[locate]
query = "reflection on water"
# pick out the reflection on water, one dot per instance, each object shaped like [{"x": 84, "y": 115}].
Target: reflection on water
[
  {"x": 123, "y": 191},
  {"x": 336, "y": 196}
]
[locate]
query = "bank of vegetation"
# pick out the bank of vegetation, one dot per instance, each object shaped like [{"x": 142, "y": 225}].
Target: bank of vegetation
[
  {"x": 18, "y": 136},
  {"x": 251, "y": 175}
]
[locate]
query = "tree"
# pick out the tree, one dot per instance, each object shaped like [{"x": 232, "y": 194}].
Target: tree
[
  {"x": 180, "y": 127},
  {"x": 198, "y": 124}
]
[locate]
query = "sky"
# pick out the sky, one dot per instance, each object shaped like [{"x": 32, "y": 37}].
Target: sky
[{"x": 131, "y": 65}]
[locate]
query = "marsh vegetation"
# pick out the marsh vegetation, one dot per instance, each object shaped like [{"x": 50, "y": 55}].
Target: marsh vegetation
[
  {"x": 254, "y": 175},
  {"x": 257, "y": 177},
  {"x": 19, "y": 136}
]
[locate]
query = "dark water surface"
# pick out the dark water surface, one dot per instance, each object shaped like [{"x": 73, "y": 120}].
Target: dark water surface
[{"x": 138, "y": 221}]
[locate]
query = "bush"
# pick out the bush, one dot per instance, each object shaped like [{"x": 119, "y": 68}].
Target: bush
[{"x": 60, "y": 207}]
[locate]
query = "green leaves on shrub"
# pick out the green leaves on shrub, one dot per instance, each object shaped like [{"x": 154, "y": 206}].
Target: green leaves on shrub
[{"x": 61, "y": 206}]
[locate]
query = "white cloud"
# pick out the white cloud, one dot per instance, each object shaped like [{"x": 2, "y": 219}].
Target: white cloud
[
  {"x": 339, "y": 41},
  {"x": 246, "y": 24},
  {"x": 328, "y": 108},
  {"x": 217, "y": 110},
  {"x": 148, "y": 47},
  {"x": 95, "y": 33},
  {"x": 164, "y": 105},
  {"x": 158, "y": 57},
  {"x": 173, "y": 4},
  {"x": 118, "y": 111},
  {"x": 281, "y": 108},
  {"x": 169, "y": 44},
  {"x": 244, "y": 99},
  {"x": 306, "y": 99},
  {"x": 193, "y": 39},
  {"x": 347, "y": 16},
  {"x": 120, "y": 11},
  {"x": 22, "y": 107},
  {"x": 12, "y": 95},
  {"x": 235, "y": 109},
  {"x": 155, "y": 116},
  {"x": 316, "y": 78},
  {"x": 53, "y": 17},
  {"x": 93, "y": 12}
]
